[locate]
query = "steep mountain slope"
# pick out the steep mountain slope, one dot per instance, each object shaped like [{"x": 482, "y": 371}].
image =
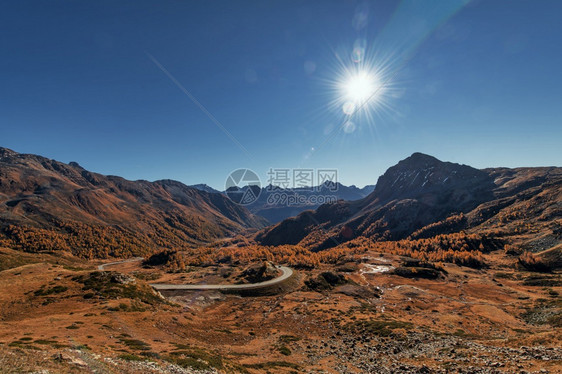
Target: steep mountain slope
[
  {"x": 46, "y": 204},
  {"x": 422, "y": 196}
]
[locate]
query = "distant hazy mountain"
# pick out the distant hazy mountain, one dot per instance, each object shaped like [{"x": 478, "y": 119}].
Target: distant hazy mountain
[
  {"x": 276, "y": 210},
  {"x": 367, "y": 189},
  {"x": 277, "y": 204},
  {"x": 46, "y": 204},
  {"x": 422, "y": 196}
]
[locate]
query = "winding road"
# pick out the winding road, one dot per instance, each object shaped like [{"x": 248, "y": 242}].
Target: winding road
[{"x": 286, "y": 274}]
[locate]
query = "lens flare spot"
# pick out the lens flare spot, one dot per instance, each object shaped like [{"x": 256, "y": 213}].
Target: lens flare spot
[
  {"x": 349, "y": 127},
  {"x": 349, "y": 107},
  {"x": 357, "y": 54},
  {"x": 309, "y": 67}
]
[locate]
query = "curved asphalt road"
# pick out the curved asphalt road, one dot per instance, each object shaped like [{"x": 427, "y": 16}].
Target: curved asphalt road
[{"x": 286, "y": 274}]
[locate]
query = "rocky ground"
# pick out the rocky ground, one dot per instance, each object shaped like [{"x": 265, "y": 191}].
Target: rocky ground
[{"x": 59, "y": 315}]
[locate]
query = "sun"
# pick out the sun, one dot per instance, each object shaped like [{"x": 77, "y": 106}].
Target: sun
[
  {"x": 360, "y": 90},
  {"x": 360, "y": 87}
]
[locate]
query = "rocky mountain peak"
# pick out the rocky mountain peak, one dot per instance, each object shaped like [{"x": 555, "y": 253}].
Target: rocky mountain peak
[
  {"x": 5, "y": 152},
  {"x": 420, "y": 174}
]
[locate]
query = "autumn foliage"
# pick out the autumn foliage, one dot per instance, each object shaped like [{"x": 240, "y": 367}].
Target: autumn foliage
[
  {"x": 533, "y": 262},
  {"x": 90, "y": 241},
  {"x": 459, "y": 248},
  {"x": 82, "y": 240},
  {"x": 171, "y": 260}
]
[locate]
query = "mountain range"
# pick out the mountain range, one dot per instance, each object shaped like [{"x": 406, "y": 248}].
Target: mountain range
[
  {"x": 46, "y": 204},
  {"x": 50, "y": 205},
  {"x": 276, "y": 204},
  {"x": 422, "y": 196}
]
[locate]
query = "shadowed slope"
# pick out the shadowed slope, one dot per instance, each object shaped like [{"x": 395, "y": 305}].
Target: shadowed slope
[
  {"x": 46, "y": 204},
  {"x": 422, "y": 196}
]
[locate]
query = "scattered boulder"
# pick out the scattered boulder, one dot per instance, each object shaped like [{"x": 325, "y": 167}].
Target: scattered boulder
[
  {"x": 113, "y": 285},
  {"x": 348, "y": 267},
  {"x": 258, "y": 273},
  {"x": 121, "y": 278},
  {"x": 66, "y": 358},
  {"x": 326, "y": 281}
]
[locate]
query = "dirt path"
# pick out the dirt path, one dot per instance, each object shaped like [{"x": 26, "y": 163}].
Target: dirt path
[{"x": 103, "y": 266}]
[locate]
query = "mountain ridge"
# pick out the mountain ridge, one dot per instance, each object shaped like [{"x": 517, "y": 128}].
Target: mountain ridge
[
  {"x": 44, "y": 200},
  {"x": 421, "y": 192}
]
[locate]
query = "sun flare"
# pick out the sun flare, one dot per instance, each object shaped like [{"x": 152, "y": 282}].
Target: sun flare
[
  {"x": 360, "y": 90},
  {"x": 360, "y": 87}
]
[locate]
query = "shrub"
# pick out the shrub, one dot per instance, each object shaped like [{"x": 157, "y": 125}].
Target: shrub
[
  {"x": 378, "y": 328},
  {"x": 50, "y": 291},
  {"x": 532, "y": 262},
  {"x": 113, "y": 285},
  {"x": 416, "y": 272},
  {"x": 284, "y": 350},
  {"x": 130, "y": 357}
]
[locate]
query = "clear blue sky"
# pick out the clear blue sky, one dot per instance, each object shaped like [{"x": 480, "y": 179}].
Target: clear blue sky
[{"x": 477, "y": 83}]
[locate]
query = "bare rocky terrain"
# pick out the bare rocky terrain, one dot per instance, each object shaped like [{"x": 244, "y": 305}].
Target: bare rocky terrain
[{"x": 62, "y": 315}]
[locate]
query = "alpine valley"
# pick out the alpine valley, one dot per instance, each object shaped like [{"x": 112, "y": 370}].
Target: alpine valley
[{"x": 436, "y": 268}]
